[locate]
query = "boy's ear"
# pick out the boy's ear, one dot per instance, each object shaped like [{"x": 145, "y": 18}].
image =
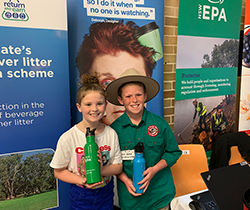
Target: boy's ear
[
  {"x": 146, "y": 96},
  {"x": 120, "y": 100}
]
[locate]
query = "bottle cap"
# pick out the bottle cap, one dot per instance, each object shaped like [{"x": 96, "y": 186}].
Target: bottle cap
[
  {"x": 90, "y": 132},
  {"x": 139, "y": 147}
]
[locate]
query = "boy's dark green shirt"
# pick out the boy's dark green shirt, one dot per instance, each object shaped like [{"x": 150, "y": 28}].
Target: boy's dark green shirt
[{"x": 159, "y": 143}]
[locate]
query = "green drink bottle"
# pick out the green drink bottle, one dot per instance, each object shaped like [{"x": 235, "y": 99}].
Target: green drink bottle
[{"x": 92, "y": 165}]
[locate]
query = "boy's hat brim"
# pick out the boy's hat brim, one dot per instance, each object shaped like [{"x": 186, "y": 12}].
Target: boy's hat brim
[{"x": 131, "y": 75}]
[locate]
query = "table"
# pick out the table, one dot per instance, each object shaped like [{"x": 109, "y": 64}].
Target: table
[{"x": 181, "y": 202}]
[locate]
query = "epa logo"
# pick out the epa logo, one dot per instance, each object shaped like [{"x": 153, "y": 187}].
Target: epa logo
[
  {"x": 216, "y": 1},
  {"x": 14, "y": 11}
]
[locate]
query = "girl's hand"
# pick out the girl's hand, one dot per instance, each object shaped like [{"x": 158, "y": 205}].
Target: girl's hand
[
  {"x": 99, "y": 155},
  {"x": 85, "y": 185}
]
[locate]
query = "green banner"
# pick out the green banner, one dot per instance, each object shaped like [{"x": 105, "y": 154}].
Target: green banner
[
  {"x": 210, "y": 18},
  {"x": 206, "y": 70}
]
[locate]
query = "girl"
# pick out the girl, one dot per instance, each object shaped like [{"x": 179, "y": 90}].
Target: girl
[{"x": 69, "y": 162}]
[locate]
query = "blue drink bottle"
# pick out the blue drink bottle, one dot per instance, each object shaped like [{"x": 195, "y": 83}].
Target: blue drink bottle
[{"x": 138, "y": 167}]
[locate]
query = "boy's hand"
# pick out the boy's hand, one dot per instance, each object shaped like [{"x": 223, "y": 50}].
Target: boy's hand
[
  {"x": 131, "y": 188},
  {"x": 148, "y": 175}
]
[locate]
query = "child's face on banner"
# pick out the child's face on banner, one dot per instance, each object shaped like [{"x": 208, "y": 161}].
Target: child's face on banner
[{"x": 110, "y": 67}]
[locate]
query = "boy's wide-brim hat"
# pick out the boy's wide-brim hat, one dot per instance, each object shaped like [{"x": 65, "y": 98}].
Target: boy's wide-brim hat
[{"x": 131, "y": 75}]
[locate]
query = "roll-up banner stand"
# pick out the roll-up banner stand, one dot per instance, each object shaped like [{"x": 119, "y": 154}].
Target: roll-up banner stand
[
  {"x": 111, "y": 36},
  {"x": 244, "y": 108},
  {"x": 206, "y": 70},
  {"x": 86, "y": 17},
  {"x": 34, "y": 102}
]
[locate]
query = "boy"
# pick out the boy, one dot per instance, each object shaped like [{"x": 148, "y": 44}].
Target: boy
[{"x": 161, "y": 150}]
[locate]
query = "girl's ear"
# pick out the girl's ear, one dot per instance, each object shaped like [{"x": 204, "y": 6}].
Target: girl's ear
[{"x": 78, "y": 107}]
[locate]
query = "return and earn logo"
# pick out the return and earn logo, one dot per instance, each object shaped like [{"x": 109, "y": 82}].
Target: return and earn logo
[{"x": 14, "y": 11}]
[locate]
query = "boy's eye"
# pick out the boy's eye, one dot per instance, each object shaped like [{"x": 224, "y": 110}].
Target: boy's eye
[{"x": 104, "y": 83}]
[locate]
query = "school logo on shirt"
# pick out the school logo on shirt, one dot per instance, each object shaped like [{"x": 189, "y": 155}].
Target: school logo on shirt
[{"x": 152, "y": 130}]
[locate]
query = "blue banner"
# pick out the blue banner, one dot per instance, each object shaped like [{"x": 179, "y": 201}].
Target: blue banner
[
  {"x": 103, "y": 39},
  {"x": 83, "y": 14},
  {"x": 34, "y": 102}
]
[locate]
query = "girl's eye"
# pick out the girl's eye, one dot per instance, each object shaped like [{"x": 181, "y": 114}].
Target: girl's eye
[{"x": 104, "y": 83}]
